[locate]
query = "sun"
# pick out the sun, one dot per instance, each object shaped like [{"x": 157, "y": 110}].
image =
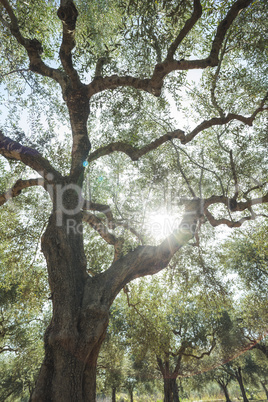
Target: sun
[{"x": 160, "y": 225}]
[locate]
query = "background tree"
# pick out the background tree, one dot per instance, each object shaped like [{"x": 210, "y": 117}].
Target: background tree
[
  {"x": 128, "y": 53},
  {"x": 223, "y": 379},
  {"x": 245, "y": 258},
  {"x": 112, "y": 366},
  {"x": 137, "y": 372},
  {"x": 204, "y": 382},
  {"x": 238, "y": 369},
  {"x": 185, "y": 329}
]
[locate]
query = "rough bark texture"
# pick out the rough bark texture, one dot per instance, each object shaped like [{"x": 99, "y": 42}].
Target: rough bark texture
[
  {"x": 79, "y": 321},
  {"x": 169, "y": 377},
  {"x": 168, "y": 392},
  {"x": 171, "y": 390}
]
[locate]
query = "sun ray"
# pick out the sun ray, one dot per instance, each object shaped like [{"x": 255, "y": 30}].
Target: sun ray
[{"x": 162, "y": 224}]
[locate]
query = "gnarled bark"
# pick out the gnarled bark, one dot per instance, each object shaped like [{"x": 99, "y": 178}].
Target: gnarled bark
[{"x": 78, "y": 325}]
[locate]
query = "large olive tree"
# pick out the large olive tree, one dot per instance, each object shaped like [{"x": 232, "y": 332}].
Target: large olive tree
[{"x": 142, "y": 46}]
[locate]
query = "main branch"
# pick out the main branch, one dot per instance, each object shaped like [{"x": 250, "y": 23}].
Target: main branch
[
  {"x": 97, "y": 224},
  {"x": 148, "y": 260},
  {"x": 31, "y": 157},
  {"x": 223, "y": 27},
  {"x": 135, "y": 153},
  {"x": 105, "y": 209},
  {"x": 67, "y": 13}
]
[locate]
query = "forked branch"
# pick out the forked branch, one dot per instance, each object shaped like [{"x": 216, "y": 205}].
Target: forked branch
[
  {"x": 154, "y": 84},
  {"x": 207, "y": 353},
  {"x": 31, "y": 157},
  {"x": 232, "y": 206},
  {"x": 224, "y": 221},
  {"x": 33, "y": 48},
  {"x": 240, "y": 206},
  {"x": 219, "y": 121}
]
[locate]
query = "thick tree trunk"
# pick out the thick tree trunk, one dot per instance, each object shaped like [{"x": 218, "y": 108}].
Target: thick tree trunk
[
  {"x": 171, "y": 390},
  {"x": 168, "y": 391},
  {"x": 241, "y": 384},
  {"x": 80, "y": 318},
  {"x": 170, "y": 379}
]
